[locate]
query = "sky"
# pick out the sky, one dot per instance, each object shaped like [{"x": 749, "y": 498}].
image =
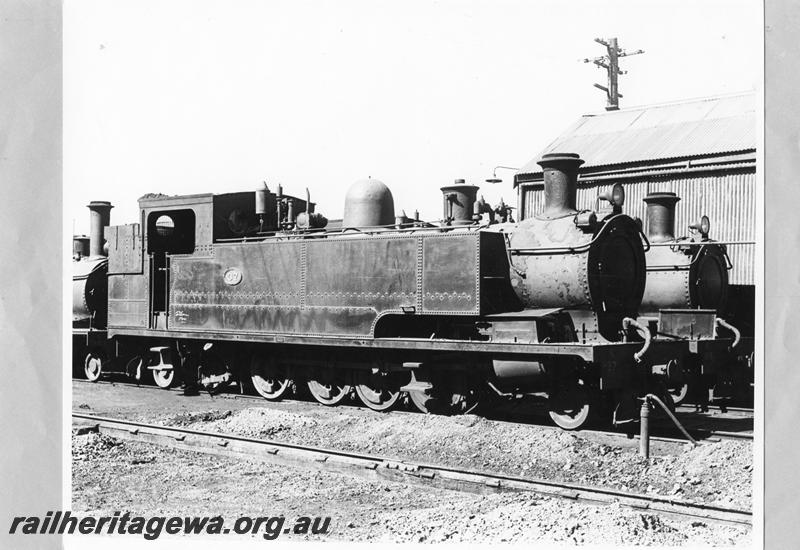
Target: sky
[{"x": 195, "y": 96}]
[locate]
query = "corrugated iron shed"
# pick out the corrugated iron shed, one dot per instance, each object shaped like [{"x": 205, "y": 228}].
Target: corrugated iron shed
[
  {"x": 704, "y": 150},
  {"x": 658, "y": 133}
]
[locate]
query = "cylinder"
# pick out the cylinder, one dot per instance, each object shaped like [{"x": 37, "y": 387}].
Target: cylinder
[
  {"x": 517, "y": 368},
  {"x": 511, "y": 375},
  {"x": 661, "y": 216},
  {"x": 560, "y": 184},
  {"x": 459, "y": 202},
  {"x": 80, "y": 245},
  {"x": 99, "y": 216}
]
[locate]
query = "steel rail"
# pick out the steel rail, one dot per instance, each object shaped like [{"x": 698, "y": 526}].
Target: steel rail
[
  {"x": 731, "y": 435},
  {"x": 377, "y": 467},
  {"x": 712, "y": 408},
  {"x": 678, "y": 244},
  {"x": 706, "y": 436}
]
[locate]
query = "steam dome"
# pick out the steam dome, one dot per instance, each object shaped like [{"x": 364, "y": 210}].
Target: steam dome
[{"x": 368, "y": 203}]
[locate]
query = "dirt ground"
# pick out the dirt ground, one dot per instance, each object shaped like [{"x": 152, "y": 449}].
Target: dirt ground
[{"x": 111, "y": 475}]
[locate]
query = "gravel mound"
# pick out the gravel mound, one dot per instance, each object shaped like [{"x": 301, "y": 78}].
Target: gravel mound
[
  {"x": 718, "y": 473},
  {"x": 526, "y": 518},
  {"x": 91, "y": 446},
  {"x": 86, "y": 446},
  {"x": 187, "y": 418}
]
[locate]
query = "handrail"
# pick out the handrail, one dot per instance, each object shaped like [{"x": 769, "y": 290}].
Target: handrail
[
  {"x": 645, "y": 240},
  {"x": 628, "y": 322},
  {"x": 737, "y": 336},
  {"x": 685, "y": 267},
  {"x": 521, "y": 272},
  {"x": 567, "y": 249},
  {"x": 373, "y": 229},
  {"x": 684, "y": 243}
]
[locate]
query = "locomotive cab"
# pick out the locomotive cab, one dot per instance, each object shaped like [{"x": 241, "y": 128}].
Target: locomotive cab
[
  {"x": 168, "y": 232},
  {"x": 141, "y": 257}
]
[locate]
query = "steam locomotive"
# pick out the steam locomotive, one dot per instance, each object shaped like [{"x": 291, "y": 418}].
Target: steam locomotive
[
  {"x": 687, "y": 278},
  {"x": 449, "y": 315}
]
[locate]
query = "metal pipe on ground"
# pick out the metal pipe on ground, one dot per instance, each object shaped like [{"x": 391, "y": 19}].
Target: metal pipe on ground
[{"x": 644, "y": 428}]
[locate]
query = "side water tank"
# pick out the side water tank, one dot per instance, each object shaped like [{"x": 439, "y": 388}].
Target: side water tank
[{"x": 368, "y": 203}]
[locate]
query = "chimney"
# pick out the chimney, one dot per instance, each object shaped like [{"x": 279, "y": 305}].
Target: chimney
[
  {"x": 560, "y": 184},
  {"x": 80, "y": 245},
  {"x": 459, "y": 202},
  {"x": 99, "y": 216},
  {"x": 661, "y": 216}
]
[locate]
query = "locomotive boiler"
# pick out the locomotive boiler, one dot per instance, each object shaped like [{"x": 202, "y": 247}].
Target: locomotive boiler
[
  {"x": 682, "y": 273},
  {"x": 90, "y": 292},
  {"x": 685, "y": 295},
  {"x": 384, "y": 307},
  {"x": 563, "y": 258}
]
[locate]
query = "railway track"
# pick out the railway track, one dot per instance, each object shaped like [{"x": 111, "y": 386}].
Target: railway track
[
  {"x": 717, "y": 409},
  {"x": 382, "y": 468},
  {"x": 512, "y": 417}
]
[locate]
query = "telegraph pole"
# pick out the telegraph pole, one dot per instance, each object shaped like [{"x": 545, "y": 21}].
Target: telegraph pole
[{"x": 610, "y": 62}]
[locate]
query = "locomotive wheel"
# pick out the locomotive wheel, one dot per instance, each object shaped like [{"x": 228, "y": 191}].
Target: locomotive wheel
[
  {"x": 269, "y": 379},
  {"x": 379, "y": 390},
  {"x": 93, "y": 366},
  {"x": 329, "y": 387},
  {"x": 572, "y": 408},
  {"x": 164, "y": 378}
]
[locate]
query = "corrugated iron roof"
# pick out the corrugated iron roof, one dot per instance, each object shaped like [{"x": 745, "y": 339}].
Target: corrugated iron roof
[{"x": 659, "y": 132}]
